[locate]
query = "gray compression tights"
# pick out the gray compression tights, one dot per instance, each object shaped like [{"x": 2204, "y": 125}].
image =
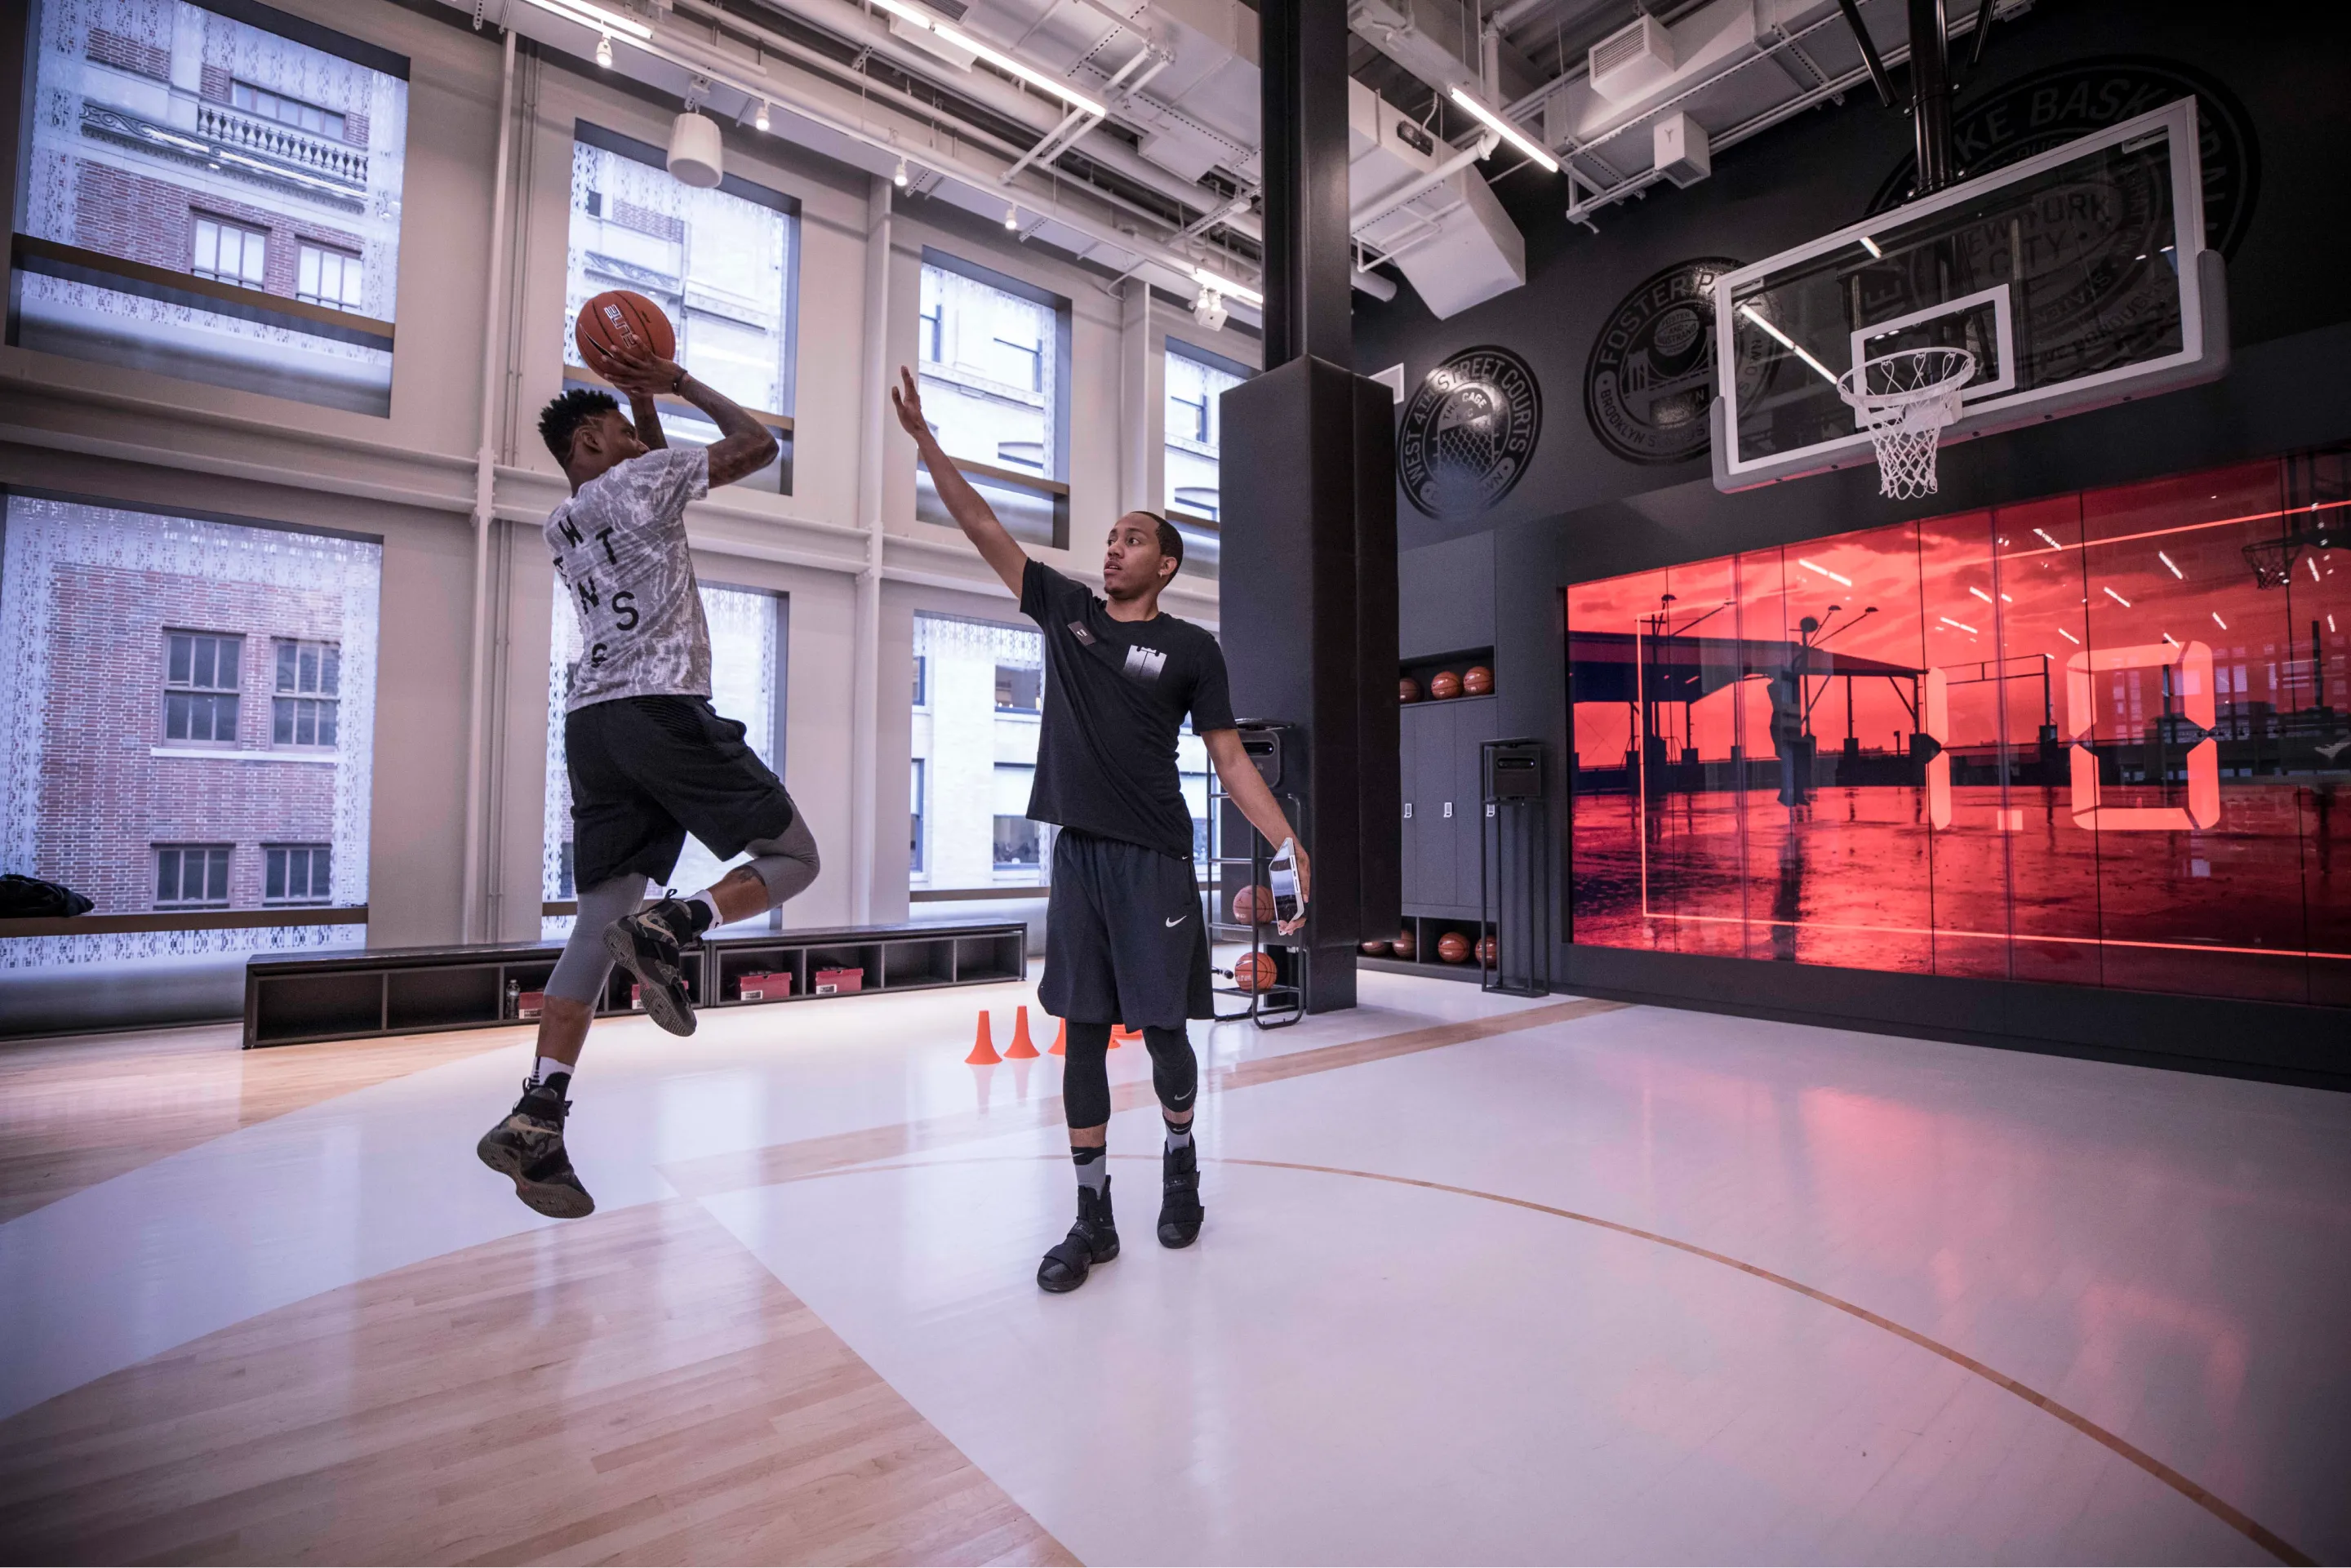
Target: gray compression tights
[{"x": 785, "y": 863}]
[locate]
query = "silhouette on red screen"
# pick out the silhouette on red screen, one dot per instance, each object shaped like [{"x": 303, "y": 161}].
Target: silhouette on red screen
[{"x": 2069, "y": 740}]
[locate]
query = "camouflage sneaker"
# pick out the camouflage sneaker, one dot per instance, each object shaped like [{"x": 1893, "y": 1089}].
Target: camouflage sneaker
[{"x": 527, "y": 1147}]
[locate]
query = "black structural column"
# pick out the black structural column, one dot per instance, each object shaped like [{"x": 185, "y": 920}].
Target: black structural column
[
  {"x": 1308, "y": 577},
  {"x": 1931, "y": 94}
]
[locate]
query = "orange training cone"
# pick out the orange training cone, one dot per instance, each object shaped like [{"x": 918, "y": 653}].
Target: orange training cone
[
  {"x": 1022, "y": 1048},
  {"x": 983, "y": 1050},
  {"x": 1120, "y": 1034},
  {"x": 1060, "y": 1046}
]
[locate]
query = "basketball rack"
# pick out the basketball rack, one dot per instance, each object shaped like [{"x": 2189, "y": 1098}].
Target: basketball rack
[{"x": 1284, "y": 1002}]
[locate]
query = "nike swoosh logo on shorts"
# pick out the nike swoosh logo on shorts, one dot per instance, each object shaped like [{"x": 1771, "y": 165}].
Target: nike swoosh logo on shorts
[{"x": 1177, "y": 921}]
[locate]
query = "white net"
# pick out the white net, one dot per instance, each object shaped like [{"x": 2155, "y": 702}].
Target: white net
[{"x": 1904, "y": 400}]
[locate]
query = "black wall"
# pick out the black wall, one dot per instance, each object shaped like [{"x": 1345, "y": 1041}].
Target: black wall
[{"x": 1583, "y": 512}]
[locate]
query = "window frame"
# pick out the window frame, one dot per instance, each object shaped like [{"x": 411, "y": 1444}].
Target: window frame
[
  {"x": 350, "y": 263},
  {"x": 276, "y": 862},
  {"x": 324, "y": 702},
  {"x": 1175, "y": 347},
  {"x": 226, "y": 862},
  {"x": 918, "y": 789},
  {"x": 248, "y": 236},
  {"x": 212, "y": 695}
]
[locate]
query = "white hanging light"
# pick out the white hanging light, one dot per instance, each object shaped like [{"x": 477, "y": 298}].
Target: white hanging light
[
  {"x": 1012, "y": 219},
  {"x": 899, "y": 179},
  {"x": 604, "y": 51},
  {"x": 695, "y": 151},
  {"x": 760, "y": 118}
]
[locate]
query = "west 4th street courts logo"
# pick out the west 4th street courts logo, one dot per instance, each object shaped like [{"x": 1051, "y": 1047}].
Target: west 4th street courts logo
[
  {"x": 1650, "y": 380},
  {"x": 1469, "y": 433}
]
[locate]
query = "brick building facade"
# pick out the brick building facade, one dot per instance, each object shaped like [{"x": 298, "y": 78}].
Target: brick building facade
[
  {"x": 94, "y": 783},
  {"x": 179, "y": 138}
]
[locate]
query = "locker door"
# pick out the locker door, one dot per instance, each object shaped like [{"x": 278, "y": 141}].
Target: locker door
[
  {"x": 1477, "y": 723},
  {"x": 1440, "y": 873},
  {"x": 1408, "y": 728}
]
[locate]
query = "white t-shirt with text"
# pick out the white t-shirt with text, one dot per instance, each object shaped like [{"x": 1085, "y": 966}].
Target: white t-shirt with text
[{"x": 619, "y": 549}]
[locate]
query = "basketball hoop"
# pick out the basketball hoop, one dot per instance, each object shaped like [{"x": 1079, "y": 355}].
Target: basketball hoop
[
  {"x": 1903, "y": 400},
  {"x": 2273, "y": 559}
]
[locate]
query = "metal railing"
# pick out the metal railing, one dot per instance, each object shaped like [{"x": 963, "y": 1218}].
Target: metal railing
[{"x": 233, "y": 128}]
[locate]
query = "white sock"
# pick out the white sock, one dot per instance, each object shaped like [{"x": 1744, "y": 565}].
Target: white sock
[
  {"x": 703, "y": 899},
  {"x": 547, "y": 1067}
]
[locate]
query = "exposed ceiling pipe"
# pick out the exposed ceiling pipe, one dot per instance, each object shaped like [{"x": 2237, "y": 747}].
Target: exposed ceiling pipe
[
  {"x": 1517, "y": 11},
  {"x": 787, "y": 95},
  {"x": 854, "y": 25},
  {"x": 1373, "y": 284}
]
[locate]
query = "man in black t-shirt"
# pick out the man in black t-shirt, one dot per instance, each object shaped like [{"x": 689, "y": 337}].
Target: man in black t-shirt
[{"x": 1125, "y": 942}]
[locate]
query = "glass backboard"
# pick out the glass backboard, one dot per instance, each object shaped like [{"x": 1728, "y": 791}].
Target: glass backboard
[{"x": 2076, "y": 278}]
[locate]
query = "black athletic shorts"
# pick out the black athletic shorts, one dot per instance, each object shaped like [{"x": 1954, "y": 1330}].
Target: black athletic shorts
[
  {"x": 646, "y": 771},
  {"x": 1124, "y": 938}
]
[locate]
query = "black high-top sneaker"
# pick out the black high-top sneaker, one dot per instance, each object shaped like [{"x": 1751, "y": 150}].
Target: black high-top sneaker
[
  {"x": 527, "y": 1147},
  {"x": 649, "y": 945},
  {"x": 1179, "y": 1197},
  {"x": 1093, "y": 1240}
]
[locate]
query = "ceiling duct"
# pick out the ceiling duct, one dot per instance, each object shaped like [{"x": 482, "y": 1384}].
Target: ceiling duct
[
  {"x": 1421, "y": 204},
  {"x": 1631, "y": 60}
]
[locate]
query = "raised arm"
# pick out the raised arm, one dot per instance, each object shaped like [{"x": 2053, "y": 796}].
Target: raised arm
[
  {"x": 975, "y": 517},
  {"x": 1246, "y": 787},
  {"x": 744, "y": 445},
  {"x": 645, "y": 414}
]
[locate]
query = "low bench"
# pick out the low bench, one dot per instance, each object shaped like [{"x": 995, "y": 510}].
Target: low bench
[{"x": 359, "y": 993}]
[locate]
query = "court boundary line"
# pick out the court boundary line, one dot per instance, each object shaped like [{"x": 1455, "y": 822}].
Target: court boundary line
[{"x": 2220, "y": 1508}]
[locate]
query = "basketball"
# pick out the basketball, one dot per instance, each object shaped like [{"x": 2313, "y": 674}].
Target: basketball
[
  {"x": 1254, "y": 972},
  {"x": 1405, "y": 945},
  {"x": 1453, "y": 947},
  {"x": 1407, "y": 690},
  {"x": 1476, "y": 681},
  {"x": 1487, "y": 950},
  {"x": 1443, "y": 684},
  {"x": 1375, "y": 949},
  {"x": 617, "y": 316},
  {"x": 1253, "y": 905}
]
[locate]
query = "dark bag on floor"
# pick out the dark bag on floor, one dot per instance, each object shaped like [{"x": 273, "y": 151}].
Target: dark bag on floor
[{"x": 29, "y": 896}]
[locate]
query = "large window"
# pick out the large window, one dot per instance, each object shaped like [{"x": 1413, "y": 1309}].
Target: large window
[
  {"x": 975, "y": 726},
  {"x": 747, "y": 684},
  {"x": 274, "y": 192},
  {"x": 2070, "y": 740},
  {"x": 720, "y": 263},
  {"x": 1193, "y": 439},
  {"x": 995, "y": 359},
  {"x": 190, "y": 803},
  {"x": 915, "y": 796}
]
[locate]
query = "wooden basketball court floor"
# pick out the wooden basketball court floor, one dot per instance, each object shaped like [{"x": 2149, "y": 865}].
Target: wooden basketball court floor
[{"x": 1482, "y": 1280}]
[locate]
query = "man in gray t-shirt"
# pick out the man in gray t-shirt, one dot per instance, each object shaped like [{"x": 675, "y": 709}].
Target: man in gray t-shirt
[{"x": 651, "y": 760}]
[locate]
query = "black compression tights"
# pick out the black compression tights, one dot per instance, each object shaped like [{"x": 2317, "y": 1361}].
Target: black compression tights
[{"x": 1085, "y": 1075}]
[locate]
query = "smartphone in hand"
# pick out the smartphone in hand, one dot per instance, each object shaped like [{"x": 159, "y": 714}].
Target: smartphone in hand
[{"x": 1284, "y": 875}]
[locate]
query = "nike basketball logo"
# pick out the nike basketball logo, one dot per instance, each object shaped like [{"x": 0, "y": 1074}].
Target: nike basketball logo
[
  {"x": 1078, "y": 630},
  {"x": 1177, "y": 921}
]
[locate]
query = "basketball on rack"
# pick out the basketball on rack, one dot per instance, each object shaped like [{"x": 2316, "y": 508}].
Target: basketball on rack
[
  {"x": 1476, "y": 681},
  {"x": 1405, "y": 945},
  {"x": 1253, "y": 905},
  {"x": 1453, "y": 947},
  {"x": 1375, "y": 949},
  {"x": 1254, "y": 972},
  {"x": 618, "y": 315},
  {"x": 1407, "y": 690},
  {"x": 1487, "y": 950},
  {"x": 1443, "y": 684}
]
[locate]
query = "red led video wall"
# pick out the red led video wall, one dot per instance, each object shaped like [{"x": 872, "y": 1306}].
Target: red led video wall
[{"x": 2073, "y": 740}]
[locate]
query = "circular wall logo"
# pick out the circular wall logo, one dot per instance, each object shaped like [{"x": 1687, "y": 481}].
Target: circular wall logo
[
  {"x": 1650, "y": 379},
  {"x": 2041, "y": 110},
  {"x": 1468, "y": 432}
]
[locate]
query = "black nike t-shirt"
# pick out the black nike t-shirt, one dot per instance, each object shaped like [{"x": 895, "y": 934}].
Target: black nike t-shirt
[{"x": 1115, "y": 694}]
